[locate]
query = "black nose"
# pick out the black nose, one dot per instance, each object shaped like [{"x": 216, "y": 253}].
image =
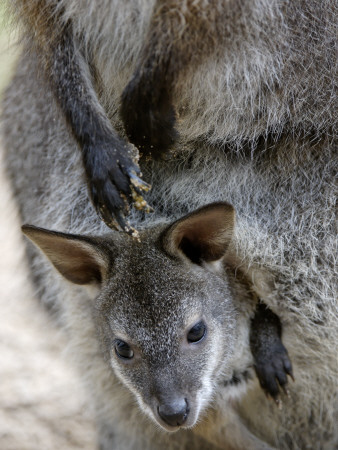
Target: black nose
[{"x": 174, "y": 413}]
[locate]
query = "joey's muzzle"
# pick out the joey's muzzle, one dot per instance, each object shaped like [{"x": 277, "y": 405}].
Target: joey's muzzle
[{"x": 174, "y": 413}]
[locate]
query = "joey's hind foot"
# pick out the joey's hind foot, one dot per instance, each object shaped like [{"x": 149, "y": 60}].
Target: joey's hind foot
[
  {"x": 272, "y": 368},
  {"x": 271, "y": 360}
]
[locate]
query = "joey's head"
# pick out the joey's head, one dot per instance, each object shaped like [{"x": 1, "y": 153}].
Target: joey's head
[{"x": 164, "y": 312}]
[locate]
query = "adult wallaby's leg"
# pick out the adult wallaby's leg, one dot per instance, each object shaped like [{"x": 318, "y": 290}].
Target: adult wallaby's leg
[
  {"x": 111, "y": 167},
  {"x": 271, "y": 358},
  {"x": 147, "y": 110},
  {"x": 112, "y": 172},
  {"x": 177, "y": 36}
]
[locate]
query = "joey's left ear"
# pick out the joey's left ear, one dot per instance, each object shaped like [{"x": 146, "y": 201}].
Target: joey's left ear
[
  {"x": 80, "y": 259},
  {"x": 202, "y": 236}
]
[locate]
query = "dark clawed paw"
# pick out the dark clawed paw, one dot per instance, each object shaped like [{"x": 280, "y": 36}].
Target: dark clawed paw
[
  {"x": 148, "y": 116},
  {"x": 272, "y": 371},
  {"x": 114, "y": 184}
]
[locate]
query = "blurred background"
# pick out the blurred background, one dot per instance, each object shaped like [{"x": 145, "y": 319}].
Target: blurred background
[{"x": 42, "y": 404}]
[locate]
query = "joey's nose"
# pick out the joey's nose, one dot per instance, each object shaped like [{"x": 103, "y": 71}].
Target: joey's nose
[{"x": 174, "y": 413}]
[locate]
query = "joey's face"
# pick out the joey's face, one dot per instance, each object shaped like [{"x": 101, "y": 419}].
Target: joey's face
[
  {"x": 169, "y": 331},
  {"x": 165, "y": 313}
]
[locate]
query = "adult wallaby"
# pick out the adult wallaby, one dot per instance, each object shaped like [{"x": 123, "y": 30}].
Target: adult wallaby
[{"x": 253, "y": 92}]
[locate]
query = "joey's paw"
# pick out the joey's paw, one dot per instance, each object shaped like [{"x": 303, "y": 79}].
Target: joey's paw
[
  {"x": 114, "y": 183},
  {"x": 272, "y": 369},
  {"x": 148, "y": 116}
]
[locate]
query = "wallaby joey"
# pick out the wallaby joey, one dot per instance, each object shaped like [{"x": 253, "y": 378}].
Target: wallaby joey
[{"x": 166, "y": 312}]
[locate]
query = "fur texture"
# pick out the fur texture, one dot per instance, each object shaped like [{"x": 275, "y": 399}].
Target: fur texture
[{"x": 255, "y": 117}]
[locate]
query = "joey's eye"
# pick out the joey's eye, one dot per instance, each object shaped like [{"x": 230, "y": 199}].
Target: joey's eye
[
  {"x": 123, "y": 350},
  {"x": 197, "y": 332}
]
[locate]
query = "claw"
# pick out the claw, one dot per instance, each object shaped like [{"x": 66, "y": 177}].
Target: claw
[
  {"x": 137, "y": 186},
  {"x": 121, "y": 220},
  {"x": 137, "y": 182},
  {"x": 290, "y": 373},
  {"x": 119, "y": 223},
  {"x": 126, "y": 227},
  {"x": 279, "y": 403},
  {"x": 286, "y": 392},
  {"x": 275, "y": 399}
]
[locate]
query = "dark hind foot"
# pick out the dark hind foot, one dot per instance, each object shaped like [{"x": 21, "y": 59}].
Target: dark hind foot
[{"x": 271, "y": 360}]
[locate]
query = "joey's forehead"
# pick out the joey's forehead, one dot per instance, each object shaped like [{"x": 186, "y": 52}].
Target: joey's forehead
[
  {"x": 151, "y": 312},
  {"x": 149, "y": 302},
  {"x": 149, "y": 280}
]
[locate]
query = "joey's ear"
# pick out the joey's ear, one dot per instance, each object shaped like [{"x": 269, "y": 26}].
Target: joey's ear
[
  {"x": 203, "y": 235},
  {"x": 78, "y": 258}
]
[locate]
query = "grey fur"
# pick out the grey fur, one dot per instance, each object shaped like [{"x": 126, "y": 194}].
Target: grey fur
[{"x": 256, "y": 130}]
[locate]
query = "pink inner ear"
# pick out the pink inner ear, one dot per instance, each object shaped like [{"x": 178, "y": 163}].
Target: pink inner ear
[{"x": 205, "y": 234}]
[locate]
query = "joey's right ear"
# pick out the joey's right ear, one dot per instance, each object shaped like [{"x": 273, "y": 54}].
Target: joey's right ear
[
  {"x": 203, "y": 235},
  {"x": 80, "y": 259}
]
